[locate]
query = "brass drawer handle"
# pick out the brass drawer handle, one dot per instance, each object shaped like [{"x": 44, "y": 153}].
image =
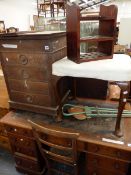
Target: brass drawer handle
[
  {"x": 15, "y": 129},
  {"x": 29, "y": 99},
  {"x": 25, "y": 75},
  {"x": 23, "y": 59}
]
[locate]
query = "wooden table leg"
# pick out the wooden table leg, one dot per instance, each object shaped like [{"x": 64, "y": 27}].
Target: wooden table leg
[{"x": 124, "y": 86}]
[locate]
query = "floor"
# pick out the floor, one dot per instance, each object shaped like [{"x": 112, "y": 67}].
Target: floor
[{"x": 7, "y": 164}]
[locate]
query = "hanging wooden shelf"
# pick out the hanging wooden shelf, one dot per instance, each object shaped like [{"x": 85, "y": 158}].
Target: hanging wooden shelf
[{"x": 104, "y": 40}]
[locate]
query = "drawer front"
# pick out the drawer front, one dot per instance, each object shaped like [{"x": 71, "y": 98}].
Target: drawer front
[
  {"x": 9, "y": 45},
  {"x": 39, "y": 45},
  {"x": 24, "y": 59},
  {"x": 20, "y": 131},
  {"x": 29, "y": 86},
  {"x": 26, "y": 163},
  {"x": 22, "y": 73},
  {"x": 22, "y": 145},
  {"x": 35, "y": 99},
  {"x": 109, "y": 151},
  {"x": 48, "y": 45},
  {"x": 107, "y": 163},
  {"x": 101, "y": 171}
]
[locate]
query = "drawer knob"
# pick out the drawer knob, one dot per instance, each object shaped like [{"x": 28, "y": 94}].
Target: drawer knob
[
  {"x": 23, "y": 59},
  {"x": 29, "y": 99},
  {"x": 15, "y": 129}
]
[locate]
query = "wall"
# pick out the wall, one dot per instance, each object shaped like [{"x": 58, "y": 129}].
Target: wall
[
  {"x": 124, "y": 8},
  {"x": 17, "y": 13}
]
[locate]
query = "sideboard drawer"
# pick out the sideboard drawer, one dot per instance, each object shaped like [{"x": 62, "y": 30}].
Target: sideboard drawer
[
  {"x": 109, "y": 151},
  {"x": 36, "y": 99},
  {"x": 102, "y": 171},
  {"x": 22, "y": 145},
  {"x": 27, "y": 163},
  {"x": 18, "y": 131},
  {"x": 22, "y": 73},
  {"x": 107, "y": 163},
  {"x": 21, "y": 141},
  {"x": 29, "y": 86},
  {"x": 48, "y": 44},
  {"x": 24, "y": 59}
]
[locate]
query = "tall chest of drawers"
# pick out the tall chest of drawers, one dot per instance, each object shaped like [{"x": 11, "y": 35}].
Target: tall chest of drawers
[{"x": 27, "y": 65}]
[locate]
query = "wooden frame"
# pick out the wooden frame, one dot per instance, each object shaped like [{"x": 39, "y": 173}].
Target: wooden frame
[{"x": 104, "y": 40}]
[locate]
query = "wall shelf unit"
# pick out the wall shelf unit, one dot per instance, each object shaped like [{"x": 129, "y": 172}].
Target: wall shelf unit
[{"x": 104, "y": 40}]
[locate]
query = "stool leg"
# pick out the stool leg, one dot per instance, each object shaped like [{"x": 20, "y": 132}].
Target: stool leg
[{"x": 124, "y": 86}]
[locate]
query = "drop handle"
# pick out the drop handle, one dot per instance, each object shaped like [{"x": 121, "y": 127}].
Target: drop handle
[{"x": 24, "y": 74}]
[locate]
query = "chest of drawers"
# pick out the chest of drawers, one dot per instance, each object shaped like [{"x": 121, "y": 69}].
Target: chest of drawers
[
  {"x": 23, "y": 146},
  {"x": 27, "y": 65}
]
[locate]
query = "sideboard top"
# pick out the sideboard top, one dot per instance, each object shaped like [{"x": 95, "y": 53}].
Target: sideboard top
[{"x": 32, "y": 35}]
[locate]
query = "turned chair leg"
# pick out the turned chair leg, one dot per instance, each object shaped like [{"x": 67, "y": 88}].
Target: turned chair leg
[{"x": 124, "y": 86}]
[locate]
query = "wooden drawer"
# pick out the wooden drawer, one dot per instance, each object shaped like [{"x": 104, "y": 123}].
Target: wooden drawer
[
  {"x": 106, "y": 162},
  {"x": 29, "y": 86},
  {"x": 39, "y": 45},
  {"x": 102, "y": 171},
  {"x": 18, "y": 131},
  {"x": 4, "y": 143},
  {"x": 27, "y": 171},
  {"x": 36, "y": 99},
  {"x": 27, "y": 163},
  {"x": 22, "y": 73},
  {"x": 21, "y": 144},
  {"x": 24, "y": 59},
  {"x": 67, "y": 142},
  {"x": 43, "y": 45},
  {"x": 109, "y": 151}
]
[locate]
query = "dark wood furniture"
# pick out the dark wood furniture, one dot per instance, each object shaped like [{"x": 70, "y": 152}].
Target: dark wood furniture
[
  {"x": 51, "y": 8},
  {"x": 105, "y": 153},
  {"x": 104, "y": 41},
  {"x": 57, "y": 147},
  {"x": 27, "y": 65},
  {"x": 23, "y": 146}
]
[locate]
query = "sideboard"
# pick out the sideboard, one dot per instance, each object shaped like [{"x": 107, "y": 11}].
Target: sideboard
[{"x": 104, "y": 152}]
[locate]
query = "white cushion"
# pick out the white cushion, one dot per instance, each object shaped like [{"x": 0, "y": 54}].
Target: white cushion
[{"x": 116, "y": 69}]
